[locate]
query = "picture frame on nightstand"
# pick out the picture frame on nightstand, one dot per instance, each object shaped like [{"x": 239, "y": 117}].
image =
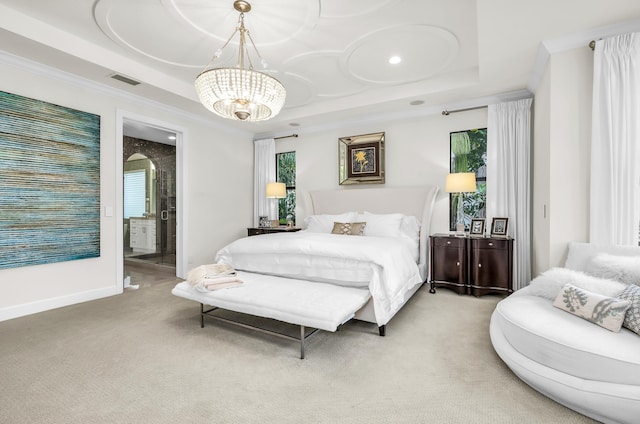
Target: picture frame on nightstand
[
  {"x": 499, "y": 227},
  {"x": 477, "y": 227}
]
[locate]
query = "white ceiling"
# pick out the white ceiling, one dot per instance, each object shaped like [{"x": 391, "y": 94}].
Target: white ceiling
[{"x": 331, "y": 55}]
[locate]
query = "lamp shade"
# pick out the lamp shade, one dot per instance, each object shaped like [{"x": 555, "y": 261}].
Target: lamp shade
[
  {"x": 461, "y": 182},
  {"x": 276, "y": 190}
]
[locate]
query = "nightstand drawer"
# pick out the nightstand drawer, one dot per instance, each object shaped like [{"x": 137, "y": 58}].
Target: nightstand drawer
[
  {"x": 490, "y": 244},
  {"x": 448, "y": 241},
  {"x": 254, "y": 231}
]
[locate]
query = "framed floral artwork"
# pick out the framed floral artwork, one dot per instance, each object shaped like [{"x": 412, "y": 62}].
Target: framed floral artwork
[{"x": 361, "y": 159}]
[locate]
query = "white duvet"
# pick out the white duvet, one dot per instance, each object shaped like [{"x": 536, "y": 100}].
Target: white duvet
[{"x": 385, "y": 265}]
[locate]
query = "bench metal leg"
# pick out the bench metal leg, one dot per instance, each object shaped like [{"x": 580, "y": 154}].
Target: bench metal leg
[{"x": 302, "y": 339}]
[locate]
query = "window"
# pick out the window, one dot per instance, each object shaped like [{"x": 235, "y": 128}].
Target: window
[
  {"x": 286, "y": 173},
  {"x": 134, "y": 193},
  {"x": 469, "y": 154}
]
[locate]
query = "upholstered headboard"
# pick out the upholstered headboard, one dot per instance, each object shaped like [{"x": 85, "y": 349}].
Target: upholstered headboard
[{"x": 417, "y": 201}]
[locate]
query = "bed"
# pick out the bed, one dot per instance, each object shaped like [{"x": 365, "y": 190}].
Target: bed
[{"x": 375, "y": 273}]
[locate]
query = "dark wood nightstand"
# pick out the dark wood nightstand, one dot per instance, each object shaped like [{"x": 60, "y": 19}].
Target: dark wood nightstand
[
  {"x": 449, "y": 263},
  {"x": 472, "y": 265},
  {"x": 490, "y": 265},
  {"x": 268, "y": 230}
]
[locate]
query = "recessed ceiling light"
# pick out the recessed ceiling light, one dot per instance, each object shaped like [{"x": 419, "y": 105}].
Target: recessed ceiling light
[
  {"x": 416, "y": 102},
  {"x": 294, "y": 124},
  {"x": 394, "y": 60}
]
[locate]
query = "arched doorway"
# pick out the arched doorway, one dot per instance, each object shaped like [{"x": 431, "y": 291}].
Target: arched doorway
[{"x": 149, "y": 199}]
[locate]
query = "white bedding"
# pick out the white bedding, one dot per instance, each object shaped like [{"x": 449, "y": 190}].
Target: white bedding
[{"x": 385, "y": 265}]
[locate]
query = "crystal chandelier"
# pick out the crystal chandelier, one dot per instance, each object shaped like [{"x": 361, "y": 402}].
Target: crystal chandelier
[{"x": 240, "y": 93}]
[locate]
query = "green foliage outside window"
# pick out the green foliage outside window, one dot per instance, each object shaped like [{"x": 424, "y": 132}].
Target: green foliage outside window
[
  {"x": 469, "y": 154},
  {"x": 286, "y": 173}
]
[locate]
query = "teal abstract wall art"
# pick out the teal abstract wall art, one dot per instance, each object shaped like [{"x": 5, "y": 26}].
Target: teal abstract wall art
[{"x": 49, "y": 182}]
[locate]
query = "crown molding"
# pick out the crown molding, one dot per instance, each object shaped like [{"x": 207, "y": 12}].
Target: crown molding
[
  {"x": 72, "y": 79},
  {"x": 574, "y": 41}
]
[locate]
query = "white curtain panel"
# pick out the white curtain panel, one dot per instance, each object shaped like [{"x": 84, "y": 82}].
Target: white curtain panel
[
  {"x": 264, "y": 172},
  {"x": 615, "y": 141},
  {"x": 508, "y": 178}
]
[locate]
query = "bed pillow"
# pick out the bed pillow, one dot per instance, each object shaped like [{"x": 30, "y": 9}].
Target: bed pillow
[
  {"x": 607, "y": 312},
  {"x": 632, "y": 318},
  {"x": 348, "y": 228},
  {"x": 382, "y": 225},
  {"x": 410, "y": 228},
  {"x": 324, "y": 223},
  {"x": 625, "y": 269}
]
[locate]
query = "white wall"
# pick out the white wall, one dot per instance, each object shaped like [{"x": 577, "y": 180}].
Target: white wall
[
  {"x": 540, "y": 176},
  {"x": 563, "y": 138},
  {"x": 417, "y": 153},
  {"x": 219, "y": 178}
]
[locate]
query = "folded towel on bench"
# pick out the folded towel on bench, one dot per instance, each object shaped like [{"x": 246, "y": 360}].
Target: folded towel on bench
[{"x": 213, "y": 277}]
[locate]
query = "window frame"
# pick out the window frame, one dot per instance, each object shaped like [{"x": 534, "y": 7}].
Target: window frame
[
  {"x": 481, "y": 182},
  {"x": 291, "y": 189}
]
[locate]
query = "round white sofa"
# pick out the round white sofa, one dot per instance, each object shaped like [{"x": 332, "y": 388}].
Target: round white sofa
[{"x": 575, "y": 362}]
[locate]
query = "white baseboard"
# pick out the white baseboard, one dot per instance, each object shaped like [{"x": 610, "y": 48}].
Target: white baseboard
[{"x": 56, "y": 302}]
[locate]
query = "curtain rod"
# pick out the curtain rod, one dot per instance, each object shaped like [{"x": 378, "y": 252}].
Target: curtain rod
[
  {"x": 592, "y": 44},
  {"x": 447, "y": 112},
  {"x": 286, "y": 136}
]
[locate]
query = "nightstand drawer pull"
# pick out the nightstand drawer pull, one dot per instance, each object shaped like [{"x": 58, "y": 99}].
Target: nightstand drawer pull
[
  {"x": 448, "y": 242},
  {"x": 479, "y": 265},
  {"x": 457, "y": 263},
  {"x": 490, "y": 244}
]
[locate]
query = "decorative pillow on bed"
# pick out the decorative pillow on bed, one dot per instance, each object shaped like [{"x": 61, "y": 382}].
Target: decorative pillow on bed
[
  {"x": 382, "y": 225},
  {"x": 632, "y": 318},
  {"x": 348, "y": 228},
  {"x": 607, "y": 312},
  {"x": 324, "y": 223},
  {"x": 625, "y": 269}
]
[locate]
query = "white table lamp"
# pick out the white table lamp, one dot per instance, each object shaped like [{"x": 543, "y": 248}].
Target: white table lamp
[
  {"x": 460, "y": 183},
  {"x": 276, "y": 191}
]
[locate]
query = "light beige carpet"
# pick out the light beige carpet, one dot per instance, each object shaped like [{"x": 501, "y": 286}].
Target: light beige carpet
[{"x": 142, "y": 357}]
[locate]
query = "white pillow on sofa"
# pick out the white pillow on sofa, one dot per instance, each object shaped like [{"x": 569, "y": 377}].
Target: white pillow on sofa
[
  {"x": 580, "y": 253},
  {"x": 625, "y": 269},
  {"x": 549, "y": 283}
]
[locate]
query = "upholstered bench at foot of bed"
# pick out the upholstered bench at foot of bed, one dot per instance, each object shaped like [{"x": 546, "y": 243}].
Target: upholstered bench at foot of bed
[{"x": 307, "y": 304}]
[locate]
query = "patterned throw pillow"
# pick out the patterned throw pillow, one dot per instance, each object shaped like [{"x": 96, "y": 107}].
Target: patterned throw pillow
[
  {"x": 348, "y": 228},
  {"x": 632, "y": 318},
  {"x": 607, "y": 312}
]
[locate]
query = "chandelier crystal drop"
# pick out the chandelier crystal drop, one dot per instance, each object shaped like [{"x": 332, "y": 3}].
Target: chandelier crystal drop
[{"x": 240, "y": 93}]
